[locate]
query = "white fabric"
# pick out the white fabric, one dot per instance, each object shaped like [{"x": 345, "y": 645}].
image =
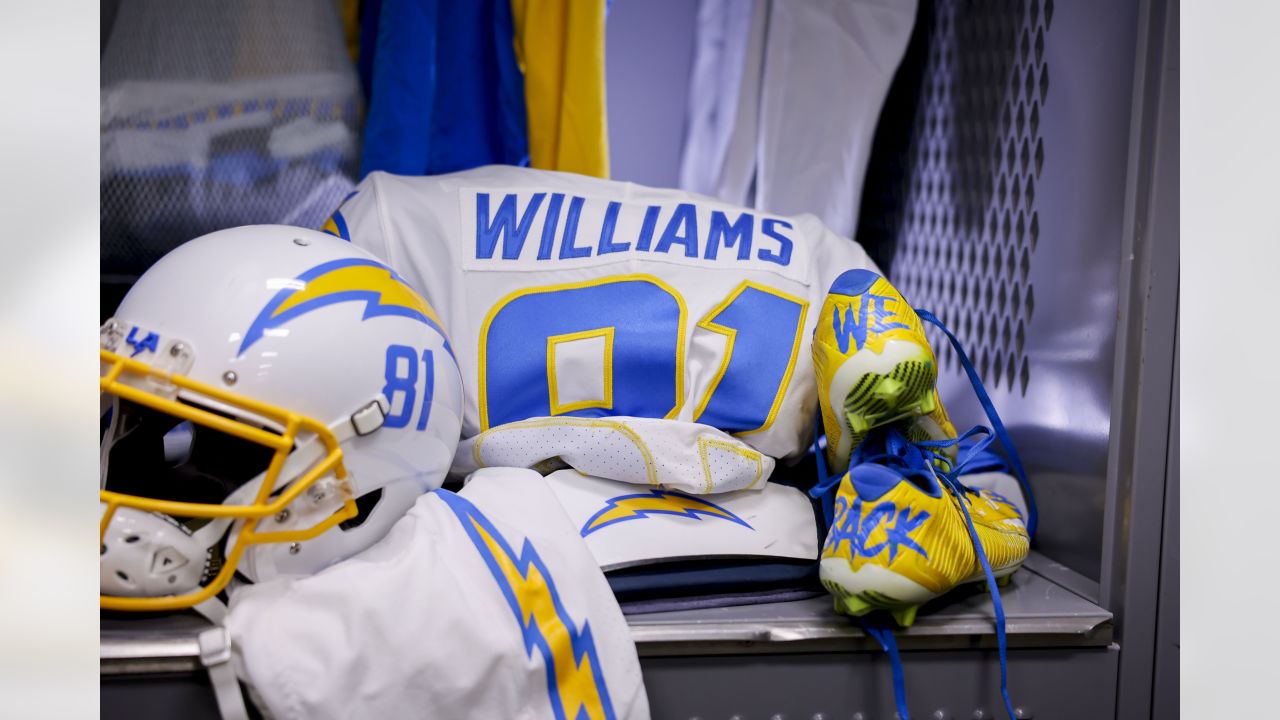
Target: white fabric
[
  {"x": 669, "y": 454},
  {"x": 715, "y": 161},
  {"x": 738, "y": 171},
  {"x": 1004, "y": 484},
  {"x": 433, "y": 231},
  {"x": 419, "y": 625},
  {"x": 804, "y": 100},
  {"x": 625, "y": 525}
]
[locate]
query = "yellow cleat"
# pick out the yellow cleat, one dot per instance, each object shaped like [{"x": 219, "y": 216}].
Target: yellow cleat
[
  {"x": 899, "y": 537},
  {"x": 874, "y": 367}
]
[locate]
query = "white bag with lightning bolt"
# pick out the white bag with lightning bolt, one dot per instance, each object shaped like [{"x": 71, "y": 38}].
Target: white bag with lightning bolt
[{"x": 481, "y": 604}]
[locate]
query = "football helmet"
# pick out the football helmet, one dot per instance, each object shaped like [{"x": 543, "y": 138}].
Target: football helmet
[{"x": 274, "y": 400}]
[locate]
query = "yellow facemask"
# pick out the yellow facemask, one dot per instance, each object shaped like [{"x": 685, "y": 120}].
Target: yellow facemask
[{"x": 125, "y": 378}]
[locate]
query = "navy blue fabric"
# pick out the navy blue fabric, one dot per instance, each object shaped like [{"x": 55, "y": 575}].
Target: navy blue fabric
[
  {"x": 726, "y": 581},
  {"x": 445, "y": 93},
  {"x": 694, "y": 578},
  {"x": 702, "y": 602},
  {"x": 370, "y": 13}
]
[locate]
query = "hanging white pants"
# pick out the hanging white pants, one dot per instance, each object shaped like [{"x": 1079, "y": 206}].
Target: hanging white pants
[{"x": 785, "y": 99}]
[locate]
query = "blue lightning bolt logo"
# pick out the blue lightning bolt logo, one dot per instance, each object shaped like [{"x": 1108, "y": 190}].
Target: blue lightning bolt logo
[
  {"x": 383, "y": 292},
  {"x": 657, "y": 502},
  {"x": 575, "y": 682},
  {"x": 336, "y": 225}
]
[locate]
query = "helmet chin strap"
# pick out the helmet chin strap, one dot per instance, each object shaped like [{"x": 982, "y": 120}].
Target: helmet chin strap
[{"x": 215, "y": 656}]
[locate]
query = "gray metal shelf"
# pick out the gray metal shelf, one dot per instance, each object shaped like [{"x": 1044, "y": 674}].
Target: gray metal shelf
[
  {"x": 1039, "y": 613},
  {"x": 797, "y": 659}
]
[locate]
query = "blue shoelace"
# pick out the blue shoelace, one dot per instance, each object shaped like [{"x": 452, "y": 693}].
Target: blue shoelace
[
  {"x": 951, "y": 479},
  {"x": 990, "y": 408},
  {"x": 972, "y": 456},
  {"x": 883, "y": 634},
  {"x": 925, "y": 458}
]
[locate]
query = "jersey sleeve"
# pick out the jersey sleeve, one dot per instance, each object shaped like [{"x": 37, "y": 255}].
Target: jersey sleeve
[
  {"x": 833, "y": 254},
  {"x": 358, "y": 220}
]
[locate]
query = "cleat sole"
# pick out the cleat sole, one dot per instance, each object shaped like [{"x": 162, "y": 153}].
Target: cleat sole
[
  {"x": 872, "y": 587},
  {"x": 906, "y": 616},
  {"x": 1004, "y": 578},
  {"x": 870, "y": 389},
  {"x": 878, "y": 399},
  {"x": 853, "y": 606}
]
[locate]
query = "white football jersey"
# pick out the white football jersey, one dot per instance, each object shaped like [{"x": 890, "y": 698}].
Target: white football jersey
[{"x": 569, "y": 295}]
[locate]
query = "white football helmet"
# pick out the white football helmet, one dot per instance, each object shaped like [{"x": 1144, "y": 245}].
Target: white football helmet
[{"x": 278, "y": 398}]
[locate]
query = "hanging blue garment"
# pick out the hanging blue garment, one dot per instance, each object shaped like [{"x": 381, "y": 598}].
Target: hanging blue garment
[
  {"x": 445, "y": 93},
  {"x": 370, "y": 12}
]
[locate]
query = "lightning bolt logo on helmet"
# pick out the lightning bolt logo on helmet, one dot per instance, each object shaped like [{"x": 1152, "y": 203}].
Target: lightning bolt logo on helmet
[
  {"x": 347, "y": 280},
  {"x": 657, "y": 502}
]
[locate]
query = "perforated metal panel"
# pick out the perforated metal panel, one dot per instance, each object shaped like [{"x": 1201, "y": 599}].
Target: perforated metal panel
[
  {"x": 994, "y": 197},
  {"x": 969, "y": 228}
]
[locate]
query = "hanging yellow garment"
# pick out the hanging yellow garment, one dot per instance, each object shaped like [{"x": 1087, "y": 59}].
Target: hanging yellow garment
[
  {"x": 350, "y": 10},
  {"x": 560, "y": 48}
]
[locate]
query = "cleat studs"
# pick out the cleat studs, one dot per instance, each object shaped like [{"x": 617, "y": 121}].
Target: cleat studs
[
  {"x": 905, "y": 616},
  {"x": 928, "y": 404},
  {"x": 853, "y": 606},
  {"x": 889, "y": 389},
  {"x": 858, "y": 423}
]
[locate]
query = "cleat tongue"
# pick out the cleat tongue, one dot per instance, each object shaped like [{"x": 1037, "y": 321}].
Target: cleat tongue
[{"x": 906, "y": 616}]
